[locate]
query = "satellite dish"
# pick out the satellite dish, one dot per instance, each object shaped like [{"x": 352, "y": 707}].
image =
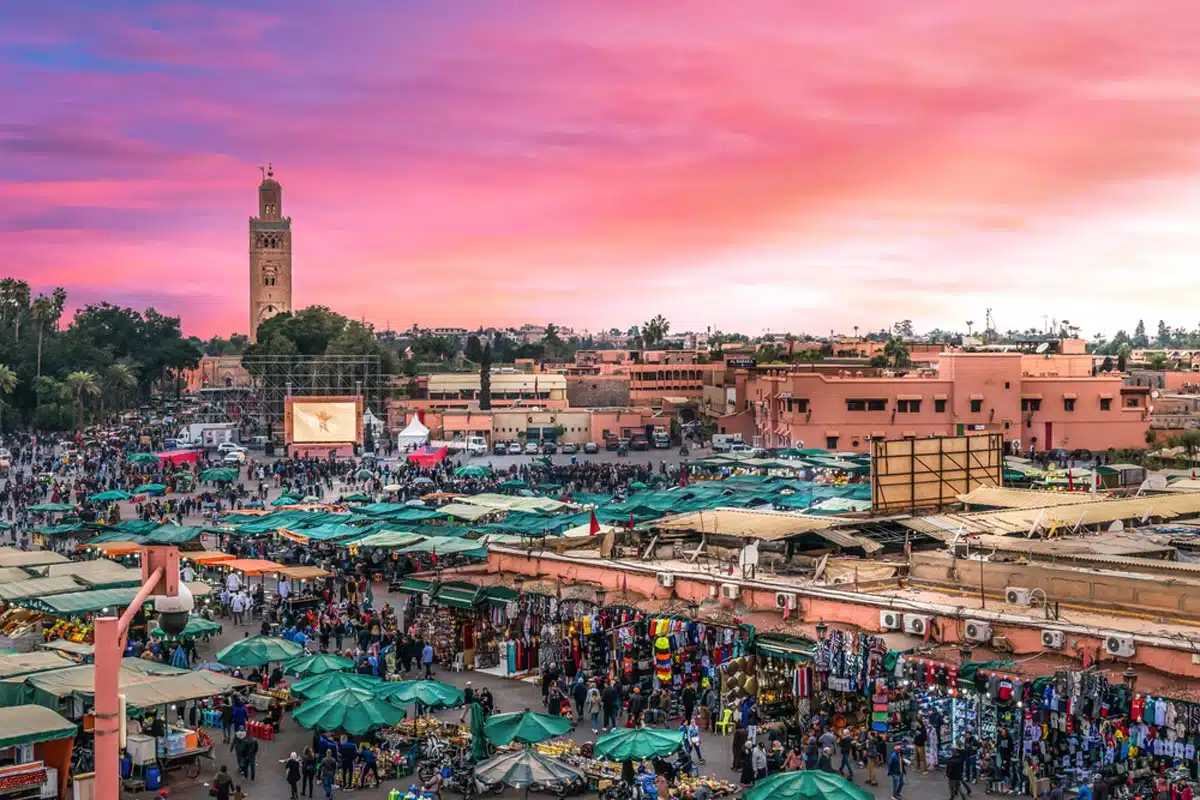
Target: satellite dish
[
  {"x": 1156, "y": 482},
  {"x": 1155, "y": 394},
  {"x": 1116, "y": 527},
  {"x": 1043, "y": 347}
]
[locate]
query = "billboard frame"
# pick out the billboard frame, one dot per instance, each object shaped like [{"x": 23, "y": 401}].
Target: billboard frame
[
  {"x": 288, "y": 421},
  {"x": 914, "y": 474}
]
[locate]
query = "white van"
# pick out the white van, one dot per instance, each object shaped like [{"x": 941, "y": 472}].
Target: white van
[{"x": 477, "y": 446}]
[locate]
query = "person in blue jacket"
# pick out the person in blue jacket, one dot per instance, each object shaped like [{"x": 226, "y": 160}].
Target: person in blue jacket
[
  {"x": 349, "y": 754},
  {"x": 895, "y": 771}
]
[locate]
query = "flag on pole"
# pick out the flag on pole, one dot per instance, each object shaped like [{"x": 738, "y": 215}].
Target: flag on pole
[
  {"x": 593, "y": 524},
  {"x": 1070, "y": 481},
  {"x": 683, "y": 477},
  {"x": 630, "y": 520}
]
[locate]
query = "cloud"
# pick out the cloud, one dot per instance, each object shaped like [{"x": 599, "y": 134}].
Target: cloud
[{"x": 500, "y": 161}]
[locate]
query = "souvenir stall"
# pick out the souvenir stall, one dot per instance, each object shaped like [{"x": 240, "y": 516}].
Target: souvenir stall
[
  {"x": 306, "y": 584},
  {"x": 849, "y": 672},
  {"x": 498, "y": 601},
  {"x": 927, "y": 690},
  {"x": 35, "y": 752},
  {"x": 692, "y": 651},
  {"x": 532, "y": 639},
  {"x": 784, "y": 669},
  {"x": 446, "y": 615}
]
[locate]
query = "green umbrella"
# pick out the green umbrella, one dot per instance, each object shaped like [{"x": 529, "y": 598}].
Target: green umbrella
[
  {"x": 431, "y": 694},
  {"x": 513, "y": 484},
  {"x": 195, "y": 628},
  {"x": 319, "y": 685},
  {"x": 150, "y": 488},
  {"x": 809, "y": 784},
  {"x": 479, "y": 746},
  {"x": 358, "y": 498},
  {"x": 364, "y": 475},
  {"x": 143, "y": 458},
  {"x": 286, "y": 500},
  {"x": 50, "y": 508},
  {"x": 307, "y": 666},
  {"x": 526, "y": 727},
  {"x": 219, "y": 474},
  {"x": 637, "y": 485},
  {"x": 110, "y": 496},
  {"x": 473, "y": 471},
  {"x": 637, "y": 744},
  {"x": 355, "y": 711},
  {"x": 255, "y": 651},
  {"x": 522, "y": 769}
]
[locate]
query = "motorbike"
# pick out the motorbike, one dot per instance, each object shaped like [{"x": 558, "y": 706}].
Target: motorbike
[{"x": 683, "y": 451}]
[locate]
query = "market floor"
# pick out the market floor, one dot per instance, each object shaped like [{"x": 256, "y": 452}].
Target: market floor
[{"x": 510, "y": 695}]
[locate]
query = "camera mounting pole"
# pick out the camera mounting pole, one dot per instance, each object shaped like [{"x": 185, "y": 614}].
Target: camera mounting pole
[{"x": 160, "y": 576}]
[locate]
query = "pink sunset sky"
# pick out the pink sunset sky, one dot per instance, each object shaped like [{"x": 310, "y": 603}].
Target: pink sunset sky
[{"x": 802, "y": 165}]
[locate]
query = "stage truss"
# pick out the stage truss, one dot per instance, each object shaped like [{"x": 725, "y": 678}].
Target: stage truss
[{"x": 274, "y": 378}]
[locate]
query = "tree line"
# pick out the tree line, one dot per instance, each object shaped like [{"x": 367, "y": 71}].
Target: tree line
[{"x": 57, "y": 374}]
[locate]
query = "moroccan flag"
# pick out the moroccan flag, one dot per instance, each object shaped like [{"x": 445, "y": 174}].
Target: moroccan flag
[
  {"x": 630, "y": 520},
  {"x": 593, "y": 525},
  {"x": 683, "y": 477},
  {"x": 1070, "y": 481}
]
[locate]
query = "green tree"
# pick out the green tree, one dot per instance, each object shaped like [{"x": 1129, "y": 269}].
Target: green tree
[
  {"x": 879, "y": 361},
  {"x": 473, "y": 351},
  {"x": 1123, "y": 356},
  {"x": 8, "y": 382},
  {"x": 485, "y": 377},
  {"x": 811, "y": 357},
  {"x": 1139, "y": 340},
  {"x": 118, "y": 381},
  {"x": 47, "y": 309},
  {"x": 81, "y": 384},
  {"x": 655, "y": 331},
  {"x": 1157, "y": 360},
  {"x": 896, "y": 352},
  {"x": 1164, "y": 335},
  {"x": 903, "y": 329}
]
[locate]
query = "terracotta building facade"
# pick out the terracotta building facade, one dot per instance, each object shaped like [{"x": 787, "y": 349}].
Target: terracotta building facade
[
  {"x": 270, "y": 255},
  {"x": 1038, "y": 403}
]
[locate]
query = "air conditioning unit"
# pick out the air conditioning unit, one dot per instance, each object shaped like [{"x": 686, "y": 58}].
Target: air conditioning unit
[
  {"x": 977, "y": 631},
  {"x": 1015, "y": 595},
  {"x": 915, "y": 623},
  {"x": 785, "y": 600},
  {"x": 1054, "y": 640},
  {"x": 1118, "y": 644},
  {"x": 713, "y": 590},
  {"x": 889, "y": 620},
  {"x": 666, "y": 579},
  {"x": 730, "y": 591}
]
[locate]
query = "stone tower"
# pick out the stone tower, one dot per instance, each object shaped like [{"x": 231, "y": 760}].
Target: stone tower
[{"x": 270, "y": 255}]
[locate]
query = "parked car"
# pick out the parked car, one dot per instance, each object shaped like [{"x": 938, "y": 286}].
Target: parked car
[
  {"x": 499, "y": 449},
  {"x": 612, "y": 443},
  {"x": 549, "y": 448},
  {"x": 569, "y": 449},
  {"x": 228, "y": 447},
  {"x": 234, "y": 457},
  {"x": 591, "y": 448},
  {"x": 639, "y": 442},
  {"x": 514, "y": 448},
  {"x": 531, "y": 448}
]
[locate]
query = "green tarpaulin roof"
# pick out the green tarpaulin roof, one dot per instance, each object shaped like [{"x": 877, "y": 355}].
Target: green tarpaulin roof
[
  {"x": 413, "y": 585},
  {"x": 500, "y": 595},
  {"x": 31, "y": 725},
  {"x": 38, "y": 587},
  {"x": 80, "y": 602},
  {"x": 457, "y": 594},
  {"x": 445, "y": 545},
  {"x": 65, "y": 529},
  {"x": 16, "y": 666},
  {"x": 388, "y": 539}
]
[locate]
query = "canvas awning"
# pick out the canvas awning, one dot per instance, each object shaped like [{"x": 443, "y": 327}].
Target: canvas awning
[
  {"x": 28, "y": 724},
  {"x": 38, "y": 587},
  {"x": 30, "y": 558},
  {"x": 208, "y": 557},
  {"x": 415, "y": 586},
  {"x": 252, "y": 566},
  {"x": 31, "y": 663},
  {"x": 304, "y": 573},
  {"x": 457, "y": 594},
  {"x": 180, "y": 688},
  {"x": 65, "y": 605},
  {"x": 388, "y": 539},
  {"x": 500, "y": 595},
  {"x": 66, "y": 646},
  {"x": 13, "y": 575},
  {"x": 466, "y": 511}
]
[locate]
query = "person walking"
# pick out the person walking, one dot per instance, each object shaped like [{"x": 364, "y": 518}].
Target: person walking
[
  {"x": 846, "y": 747},
  {"x": 760, "y": 762},
  {"x": 291, "y": 771},
  {"x": 348, "y": 754},
  {"x": 329, "y": 768},
  {"x": 920, "y": 739},
  {"x": 609, "y": 700},
  {"x": 308, "y": 771},
  {"x": 245, "y": 748},
  {"x": 579, "y": 693},
  {"x": 874, "y": 757},
  {"x": 223, "y": 783},
  {"x": 895, "y": 771},
  {"x": 427, "y": 660},
  {"x": 954, "y": 774},
  {"x": 594, "y": 705},
  {"x": 227, "y": 723}
]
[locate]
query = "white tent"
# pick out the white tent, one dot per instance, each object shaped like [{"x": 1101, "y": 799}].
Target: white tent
[
  {"x": 373, "y": 422},
  {"x": 414, "y": 435}
]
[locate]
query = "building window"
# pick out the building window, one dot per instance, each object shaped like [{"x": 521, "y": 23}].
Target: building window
[
  {"x": 976, "y": 406},
  {"x": 268, "y": 280},
  {"x": 800, "y": 405},
  {"x": 877, "y": 405},
  {"x": 1006, "y": 385},
  {"x": 939, "y": 406},
  {"x": 1068, "y": 404},
  {"x": 908, "y": 406},
  {"x": 1031, "y": 404},
  {"x": 1131, "y": 402},
  {"x": 856, "y": 405},
  {"x": 831, "y": 442}
]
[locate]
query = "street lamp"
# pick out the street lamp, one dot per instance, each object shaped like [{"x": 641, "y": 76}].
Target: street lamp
[
  {"x": 1130, "y": 677},
  {"x": 822, "y": 630}
]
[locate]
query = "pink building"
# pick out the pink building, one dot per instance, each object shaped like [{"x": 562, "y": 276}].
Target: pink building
[{"x": 1041, "y": 401}]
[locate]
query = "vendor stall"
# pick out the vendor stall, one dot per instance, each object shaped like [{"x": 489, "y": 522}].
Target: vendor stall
[
  {"x": 35, "y": 752},
  {"x": 305, "y": 586}
]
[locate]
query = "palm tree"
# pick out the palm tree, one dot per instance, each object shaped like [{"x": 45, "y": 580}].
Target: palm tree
[
  {"x": 8, "y": 382},
  {"x": 897, "y": 352},
  {"x": 119, "y": 379},
  {"x": 81, "y": 383},
  {"x": 44, "y": 313}
]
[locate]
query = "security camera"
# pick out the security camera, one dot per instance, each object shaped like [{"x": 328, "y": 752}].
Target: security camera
[{"x": 173, "y": 611}]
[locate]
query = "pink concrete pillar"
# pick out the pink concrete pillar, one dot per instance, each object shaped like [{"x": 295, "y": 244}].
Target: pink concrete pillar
[{"x": 107, "y": 710}]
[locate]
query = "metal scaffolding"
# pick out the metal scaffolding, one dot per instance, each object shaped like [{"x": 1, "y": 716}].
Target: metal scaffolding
[{"x": 275, "y": 378}]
